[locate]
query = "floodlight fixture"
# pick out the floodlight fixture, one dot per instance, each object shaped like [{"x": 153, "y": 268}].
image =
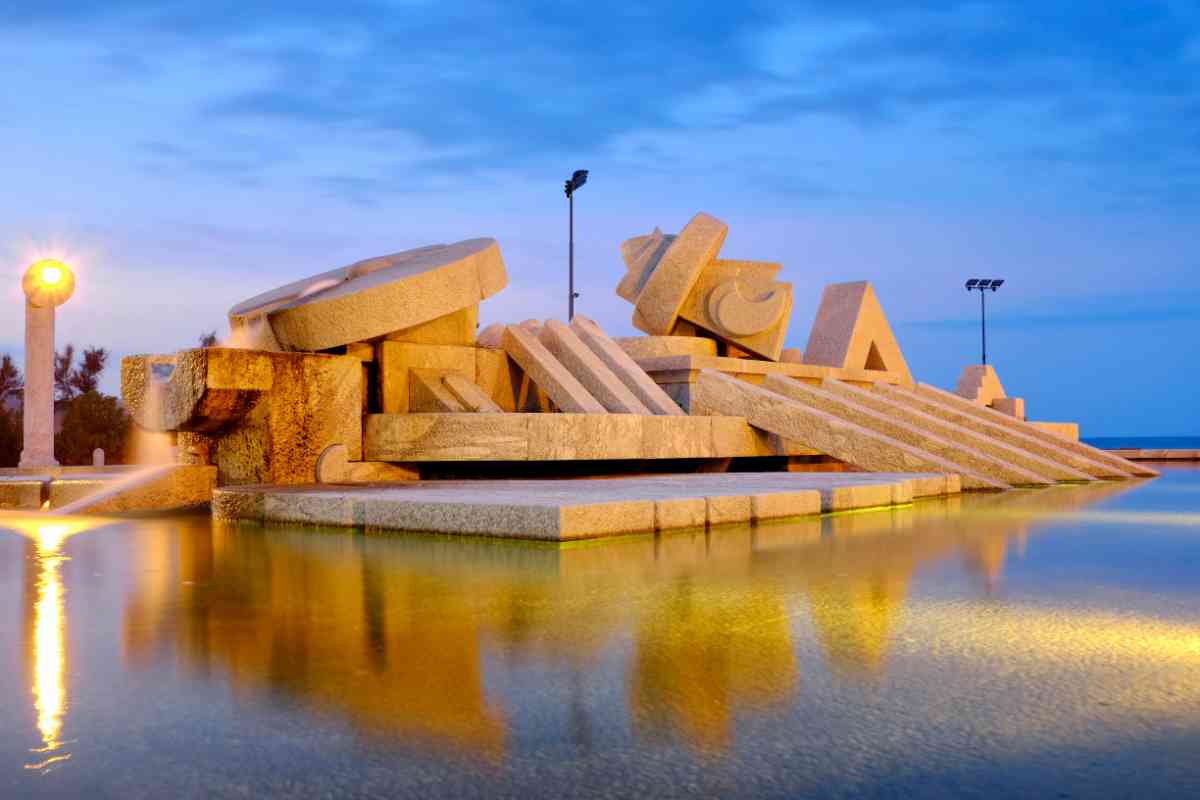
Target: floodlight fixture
[
  {"x": 982, "y": 285},
  {"x": 577, "y": 179}
]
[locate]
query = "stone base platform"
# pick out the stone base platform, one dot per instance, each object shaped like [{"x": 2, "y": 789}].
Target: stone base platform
[
  {"x": 107, "y": 490},
  {"x": 564, "y": 510}
]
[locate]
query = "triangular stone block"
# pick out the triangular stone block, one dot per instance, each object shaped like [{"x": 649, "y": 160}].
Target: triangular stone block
[{"x": 852, "y": 332}]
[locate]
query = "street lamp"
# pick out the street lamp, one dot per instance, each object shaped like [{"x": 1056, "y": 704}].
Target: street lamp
[
  {"x": 579, "y": 178},
  {"x": 982, "y": 285},
  {"x": 47, "y": 284}
]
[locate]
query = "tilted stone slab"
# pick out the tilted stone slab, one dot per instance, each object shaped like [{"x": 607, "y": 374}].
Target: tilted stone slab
[
  {"x": 1034, "y": 432},
  {"x": 636, "y": 379},
  {"x": 903, "y": 432},
  {"x": 426, "y": 394},
  {"x": 372, "y": 298},
  {"x": 716, "y": 393},
  {"x": 666, "y": 289},
  {"x": 997, "y": 448},
  {"x": 470, "y": 395},
  {"x": 589, "y": 369},
  {"x": 962, "y": 416},
  {"x": 563, "y": 388}
]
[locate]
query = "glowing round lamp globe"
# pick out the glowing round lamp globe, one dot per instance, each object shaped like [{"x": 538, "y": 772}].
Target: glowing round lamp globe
[{"x": 48, "y": 283}]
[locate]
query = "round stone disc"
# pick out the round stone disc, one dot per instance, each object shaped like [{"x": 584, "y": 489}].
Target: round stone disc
[{"x": 371, "y": 298}]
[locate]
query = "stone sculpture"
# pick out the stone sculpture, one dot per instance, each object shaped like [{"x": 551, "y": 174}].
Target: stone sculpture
[{"x": 852, "y": 332}]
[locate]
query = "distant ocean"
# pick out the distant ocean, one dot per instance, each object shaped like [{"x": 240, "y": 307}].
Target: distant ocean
[{"x": 1144, "y": 442}]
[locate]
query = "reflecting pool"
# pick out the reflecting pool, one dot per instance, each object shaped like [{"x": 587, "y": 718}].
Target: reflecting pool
[{"x": 1039, "y": 643}]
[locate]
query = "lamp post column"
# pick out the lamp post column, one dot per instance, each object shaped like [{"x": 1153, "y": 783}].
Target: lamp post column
[{"x": 38, "y": 444}]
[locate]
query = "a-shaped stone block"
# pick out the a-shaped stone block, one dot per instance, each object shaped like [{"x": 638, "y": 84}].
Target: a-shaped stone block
[
  {"x": 852, "y": 332},
  {"x": 649, "y": 393},
  {"x": 563, "y": 389},
  {"x": 372, "y": 298},
  {"x": 396, "y": 359},
  {"x": 717, "y": 393},
  {"x": 589, "y": 369}
]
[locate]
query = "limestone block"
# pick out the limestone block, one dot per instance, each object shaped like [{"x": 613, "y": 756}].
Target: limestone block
[
  {"x": 716, "y": 393},
  {"x": 588, "y": 368},
  {"x": 643, "y": 387},
  {"x": 979, "y": 383},
  {"x": 375, "y": 297},
  {"x": 777, "y": 505},
  {"x": 655, "y": 346},
  {"x": 498, "y": 377},
  {"x": 1064, "y": 430},
  {"x": 672, "y": 275},
  {"x": 852, "y": 332},
  {"x": 680, "y": 512},
  {"x": 457, "y": 327},
  {"x": 170, "y": 488},
  {"x": 741, "y": 302},
  {"x": 446, "y": 437},
  {"x": 1013, "y": 406},
  {"x": 1077, "y": 448},
  {"x": 548, "y": 373},
  {"x": 578, "y": 437},
  {"x": 491, "y": 336},
  {"x": 677, "y": 437},
  {"x": 22, "y": 494},
  {"x": 901, "y": 411},
  {"x": 195, "y": 390},
  {"x": 469, "y": 395},
  {"x": 314, "y": 401},
  {"x": 426, "y": 394},
  {"x": 397, "y": 358},
  {"x": 334, "y": 467},
  {"x": 728, "y": 509},
  {"x": 363, "y": 351},
  {"x": 733, "y": 437},
  {"x": 920, "y": 438}
]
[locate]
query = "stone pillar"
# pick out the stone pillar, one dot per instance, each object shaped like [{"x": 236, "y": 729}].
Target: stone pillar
[{"x": 38, "y": 444}]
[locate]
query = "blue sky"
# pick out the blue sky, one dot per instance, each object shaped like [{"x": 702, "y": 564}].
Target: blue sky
[{"x": 185, "y": 156}]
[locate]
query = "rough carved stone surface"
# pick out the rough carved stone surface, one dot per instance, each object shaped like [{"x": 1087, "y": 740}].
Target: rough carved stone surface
[
  {"x": 741, "y": 302},
  {"x": 563, "y": 388},
  {"x": 372, "y": 298},
  {"x": 1017, "y": 425},
  {"x": 720, "y": 394},
  {"x": 888, "y": 425},
  {"x": 997, "y": 448},
  {"x": 195, "y": 390},
  {"x": 589, "y": 369},
  {"x": 651, "y": 396},
  {"x": 851, "y": 331},
  {"x": 426, "y": 393}
]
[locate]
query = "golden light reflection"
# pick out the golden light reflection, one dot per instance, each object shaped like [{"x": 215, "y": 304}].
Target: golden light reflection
[
  {"x": 47, "y": 642},
  {"x": 49, "y": 648}
]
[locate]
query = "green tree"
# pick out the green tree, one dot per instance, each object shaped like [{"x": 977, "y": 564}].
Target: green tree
[
  {"x": 10, "y": 437},
  {"x": 64, "y": 363},
  {"x": 208, "y": 339},
  {"x": 86, "y": 376},
  {"x": 92, "y": 420},
  {"x": 11, "y": 383}
]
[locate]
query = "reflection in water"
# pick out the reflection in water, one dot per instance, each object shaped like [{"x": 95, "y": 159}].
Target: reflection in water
[{"x": 47, "y": 642}]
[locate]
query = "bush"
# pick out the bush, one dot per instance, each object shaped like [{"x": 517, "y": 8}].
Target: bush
[{"x": 92, "y": 420}]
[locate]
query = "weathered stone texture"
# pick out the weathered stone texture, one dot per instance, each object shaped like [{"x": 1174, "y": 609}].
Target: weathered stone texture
[
  {"x": 852, "y": 332},
  {"x": 651, "y": 396},
  {"x": 589, "y": 369},
  {"x": 563, "y": 388}
]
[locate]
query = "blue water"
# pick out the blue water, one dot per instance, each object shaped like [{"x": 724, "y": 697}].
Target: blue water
[{"x": 1144, "y": 442}]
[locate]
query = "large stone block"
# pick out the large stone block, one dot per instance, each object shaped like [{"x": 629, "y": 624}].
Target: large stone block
[
  {"x": 498, "y": 376},
  {"x": 741, "y": 302},
  {"x": 454, "y": 328},
  {"x": 372, "y": 298},
  {"x": 195, "y": 390},
  {"x": 643, "y": 387},
  {"x": 567, "y": 393},
  {"x": 584, "y": 437},
  {"x": 169, "y": 488},
  {"x": 902, "y": 431},
  {"x": 589, "y": 369},
  {"x": 397, "y": 358},
  {"x": 979, "y": 383},
  {"x": 666, "y": 270},
  {"x": 852, "y": 332},
  {"x": 655, "y": 346},
  {"x": 716, "y": 393},
  {"x": 446, "y": 437}
]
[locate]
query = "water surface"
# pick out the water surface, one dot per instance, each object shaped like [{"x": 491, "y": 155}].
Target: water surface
[{"x": 1036, "y": 644}]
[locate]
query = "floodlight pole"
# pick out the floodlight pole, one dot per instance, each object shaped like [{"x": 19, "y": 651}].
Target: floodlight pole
[
  {"x": 571, "y": 256},
  {"x": 983, "y": 323}
]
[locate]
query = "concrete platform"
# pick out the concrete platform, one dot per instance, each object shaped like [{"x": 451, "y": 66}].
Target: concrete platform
[
  {"x": 564, "y": 510},
  {"x": 107, "y": 490}
]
